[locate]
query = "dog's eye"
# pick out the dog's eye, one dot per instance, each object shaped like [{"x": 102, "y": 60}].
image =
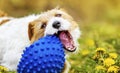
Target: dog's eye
[
  {"x": 43, "y": 25},
  {"x": 58, "y": 15}
]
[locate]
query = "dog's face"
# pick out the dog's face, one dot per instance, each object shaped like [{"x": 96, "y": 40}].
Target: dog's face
[{"x": 55, "y": 22}]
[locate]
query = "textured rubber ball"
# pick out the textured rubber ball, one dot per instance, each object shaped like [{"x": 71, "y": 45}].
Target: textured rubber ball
[{"x": 45, "y": 55}]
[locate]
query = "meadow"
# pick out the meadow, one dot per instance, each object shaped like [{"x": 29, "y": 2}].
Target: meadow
[
  {"x": 99, "y": 49},
  {"x": 99, "y": 22}
]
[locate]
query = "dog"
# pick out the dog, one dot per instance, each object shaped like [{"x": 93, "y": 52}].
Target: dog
[{"x": 18, "y": 33}]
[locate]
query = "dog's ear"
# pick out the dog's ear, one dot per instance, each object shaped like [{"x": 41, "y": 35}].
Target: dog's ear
[{"x": 30, "y": 30}]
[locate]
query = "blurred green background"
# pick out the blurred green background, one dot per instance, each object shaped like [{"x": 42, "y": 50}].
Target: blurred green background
[{"x": 99, "y": 21}]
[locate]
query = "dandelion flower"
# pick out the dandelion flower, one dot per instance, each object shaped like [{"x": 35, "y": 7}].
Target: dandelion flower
[
  {"x": 113, "y": 55},
  {"x": 85, "y": 52},
  {"x": 90, "y": 42},
  {"x": 100, "y": 50},
  {"x": 114, "y": 69},
  {"x": 3, "y": 68},
  {"x": 108, "y": 62},
  {"x": 99, "y": 67}
]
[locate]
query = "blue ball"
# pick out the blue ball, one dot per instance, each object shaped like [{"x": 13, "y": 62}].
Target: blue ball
[{"x": 45, "y": 55}]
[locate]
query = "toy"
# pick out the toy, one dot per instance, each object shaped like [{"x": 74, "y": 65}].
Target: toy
[{"x": 45, "y": 55}]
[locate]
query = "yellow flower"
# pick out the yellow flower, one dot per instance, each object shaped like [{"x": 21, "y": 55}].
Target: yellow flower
[
  {"x": 99, "y": 67},
  {"x": 3, "y": 68},
  {"x": 100, "y": 50},
  {"x": 113, "y": 55},
  {"x": 114, "y": 69},
  {"x": 85, "y": 52},
  {"x": 109, "y": 62},
  {"x": 90, "y": 42}
]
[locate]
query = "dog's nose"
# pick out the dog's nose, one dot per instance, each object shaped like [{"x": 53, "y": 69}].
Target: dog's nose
[{"x": 56, "y": 24}]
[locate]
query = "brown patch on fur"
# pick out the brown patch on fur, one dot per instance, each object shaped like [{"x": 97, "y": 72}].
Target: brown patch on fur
[
  {"x": 35, "y": 31},
  {"x": 4, "y": 21},
  {"x": 30, "y": 31},
  {"x": 2, "y": 14}
]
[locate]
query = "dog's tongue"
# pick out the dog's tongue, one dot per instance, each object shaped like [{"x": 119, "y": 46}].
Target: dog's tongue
[{"x": 67, "y": 41}]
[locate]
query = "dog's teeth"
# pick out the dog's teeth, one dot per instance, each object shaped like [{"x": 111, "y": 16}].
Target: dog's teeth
[
  {"x": 55, "y": 32},
  {"x": 69, "y": 48}
]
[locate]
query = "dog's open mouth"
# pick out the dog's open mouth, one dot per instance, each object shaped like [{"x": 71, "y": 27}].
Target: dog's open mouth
[{"x": 67, "y": 40}]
